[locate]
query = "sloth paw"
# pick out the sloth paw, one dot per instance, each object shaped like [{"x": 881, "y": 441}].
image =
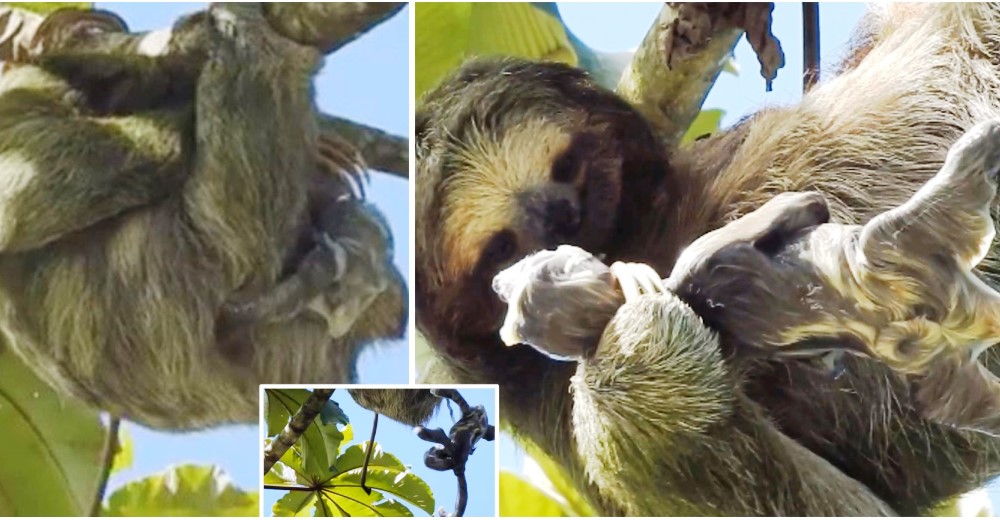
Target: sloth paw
[
  {"x": 360, "y": 275},
  {"x": 637, "y": 280}
]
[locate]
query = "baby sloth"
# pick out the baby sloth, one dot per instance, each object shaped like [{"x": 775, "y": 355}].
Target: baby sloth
[{"x": 783, "y": 281}]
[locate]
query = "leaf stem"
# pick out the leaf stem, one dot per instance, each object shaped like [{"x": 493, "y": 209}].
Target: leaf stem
[{"x": 107, "y": 461}]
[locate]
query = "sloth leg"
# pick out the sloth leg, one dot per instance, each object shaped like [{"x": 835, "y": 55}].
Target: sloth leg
[
  {"x": 339, "y": 278},
  {"x": 68, "y": 171},
  {"x": 657, "y": 407},
  {"x": 950, "y": 214}
]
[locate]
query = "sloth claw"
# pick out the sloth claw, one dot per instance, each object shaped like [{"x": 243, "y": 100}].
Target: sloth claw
[
  {"x": 637, "y": 279},
  {"x": 339, "y": 159}
]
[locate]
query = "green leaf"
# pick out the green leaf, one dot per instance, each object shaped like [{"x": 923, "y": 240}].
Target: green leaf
[
  {"x": 124, "y": 455},
  {"x": 295, "y": 503},
  {"x": 321, "y": 440},
  {"x": 574, "y": 503},
  {"x": 385, "y": 473},
  {"x": 706, "y": 123},
  {"x": 48, "y": 7},
  {"x": 184, "y": 491},
  {"x": 353, "y": 501},
  {"x": 50, "y": 445},
  {"x": 520, "y": 498},
  {"x": 280, "y": 405},
  {"x": 448, "y": 33}
]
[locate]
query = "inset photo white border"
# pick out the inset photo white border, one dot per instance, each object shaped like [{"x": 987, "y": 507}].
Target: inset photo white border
[{"x": 401, "y": 440}]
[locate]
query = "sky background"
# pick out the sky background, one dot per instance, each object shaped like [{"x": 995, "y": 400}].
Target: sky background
[
  {"x": 621, "y": 26},
  {"x": 400, "y": 441},
  {"x": 366, "y": 81}
]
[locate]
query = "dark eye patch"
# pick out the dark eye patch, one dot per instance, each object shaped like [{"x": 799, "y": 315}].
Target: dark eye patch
[
  {"x": 501, "y": 248},
  {"x": 567, "y": 167}
]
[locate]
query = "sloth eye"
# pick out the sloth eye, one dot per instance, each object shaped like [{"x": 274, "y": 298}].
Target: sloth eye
[
  {"x": 501, "y": 248},
  {"x": 566, "y": 167}
]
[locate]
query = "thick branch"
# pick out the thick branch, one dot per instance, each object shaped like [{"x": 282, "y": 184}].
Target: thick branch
[
  {"x": 328, "y": 25},
  {"x": 297, "y": 425},
  {"x": 668, "y": 86},
  {"x": 382, "y": 151}
]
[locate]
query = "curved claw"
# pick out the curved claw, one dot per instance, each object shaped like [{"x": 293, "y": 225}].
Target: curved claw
[
  {"x": 340, "y": 159},
  {"x": 637, "y": 279}
]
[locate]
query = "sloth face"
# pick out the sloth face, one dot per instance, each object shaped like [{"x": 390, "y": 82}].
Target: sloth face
[{"x": 513, "y": 158}]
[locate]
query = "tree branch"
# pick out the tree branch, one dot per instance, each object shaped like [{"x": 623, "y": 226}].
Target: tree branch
[
  {"x": 810, "y": 45},
  {"x": 382, "y": 151},
  {"x": 328, "y": 26},
  {"x": 669, "y": 85},
  {"x": 297, "y": 425}
]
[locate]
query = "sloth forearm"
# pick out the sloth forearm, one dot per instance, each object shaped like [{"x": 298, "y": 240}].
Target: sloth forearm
[{"x": 657, "y": 404}]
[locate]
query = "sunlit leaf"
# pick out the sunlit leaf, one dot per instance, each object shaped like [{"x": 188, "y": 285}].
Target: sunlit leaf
[
  {"x": 448, "y": 33},
  {"x": 520, "y": 498},
  {"x": 385, "y": 473},
  {"x": 183, "y": 491},
  {"x": 47, "y": 7},
  {"x": 295, "y": 503},
  {"x": 566, "y": 492},
  {"x": 124, "y": 455},
  {"x": 353, "y": 501},
  {"x": 707, "y": 123},
  {"x": 50, "y": 446}
]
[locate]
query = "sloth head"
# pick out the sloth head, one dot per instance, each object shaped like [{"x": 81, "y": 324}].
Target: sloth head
[{"x": 515, "y": 157}]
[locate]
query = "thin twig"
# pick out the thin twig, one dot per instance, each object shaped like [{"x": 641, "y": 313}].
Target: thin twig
[
  {"x": 810, "y": 45},
  {"x": 108, "y": 453},
  {"x": 297, "y": 425},
  {"x": 368, "y": 456}
]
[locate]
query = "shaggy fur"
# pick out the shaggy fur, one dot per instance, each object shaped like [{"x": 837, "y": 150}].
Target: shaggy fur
[
  {"x": 410, "y": 407},
  {"x": 676, "y": 425},
  {"x": 122, "y": 236}
]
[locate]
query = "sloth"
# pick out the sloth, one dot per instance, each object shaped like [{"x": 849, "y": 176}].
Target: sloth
[
  {"x": 412, "y": 407},
  {"x": 514, "y": 157},
  {"x": 151, "y": 235},
  {"x": 899, "y": 289}
]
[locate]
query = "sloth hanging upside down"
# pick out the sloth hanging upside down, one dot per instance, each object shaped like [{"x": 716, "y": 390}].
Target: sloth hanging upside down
[{"x": 899, "y": 289}]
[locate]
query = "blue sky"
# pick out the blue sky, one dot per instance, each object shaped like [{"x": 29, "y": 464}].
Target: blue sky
[
  {"x": 621, "y": 26},
  {"x": 401, "y": 442},
  {"x": 367, "y": 81}
]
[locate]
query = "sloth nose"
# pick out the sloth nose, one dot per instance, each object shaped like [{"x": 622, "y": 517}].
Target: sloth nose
[
  {"x": 562, "y": 217},
  {"x": 551, "y": 213}
]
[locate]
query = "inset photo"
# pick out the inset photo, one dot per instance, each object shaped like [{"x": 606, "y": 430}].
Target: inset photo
[{"x": 361, "y": 450}]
